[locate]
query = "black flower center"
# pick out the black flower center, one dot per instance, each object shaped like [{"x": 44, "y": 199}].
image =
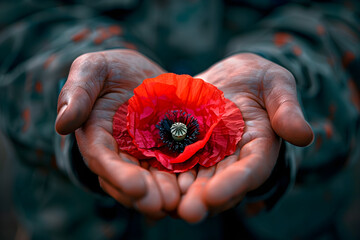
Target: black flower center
[{"x": 178, "y": 129}]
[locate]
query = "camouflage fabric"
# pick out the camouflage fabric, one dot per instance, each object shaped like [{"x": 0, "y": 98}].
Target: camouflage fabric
[{"x": 317, "y": 41}]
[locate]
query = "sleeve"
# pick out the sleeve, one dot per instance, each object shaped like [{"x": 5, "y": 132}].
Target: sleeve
[
  {"x": 36, "y": 54},
  {"x": 319, "y": 44}
]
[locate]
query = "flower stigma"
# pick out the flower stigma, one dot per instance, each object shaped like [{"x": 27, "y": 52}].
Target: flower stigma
[{"x": 178, "y": 129}]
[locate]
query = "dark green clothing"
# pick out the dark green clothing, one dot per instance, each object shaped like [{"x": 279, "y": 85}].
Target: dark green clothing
[{"x": 317, "y": 42}]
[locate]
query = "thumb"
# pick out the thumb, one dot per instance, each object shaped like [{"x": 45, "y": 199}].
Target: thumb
[
  {"x": 284, "y": 110},
  {"x": 77, "y": 97},
  {"x": 290, "y": 124}
]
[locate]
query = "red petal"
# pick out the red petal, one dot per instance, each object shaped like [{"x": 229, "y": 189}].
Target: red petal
[
  {"x": 155, "y": 96},
  {"x": 223, "y": 141},
  {"x": 220, "y": 120},
  {"x": 193, "y": 148},
  {"x": 175, "y": 168},
  {"x": 225, "y": 136},
  {"x": 121, "y": 134}
]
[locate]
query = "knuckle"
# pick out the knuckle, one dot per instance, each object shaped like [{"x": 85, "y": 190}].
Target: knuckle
[
  {"x": 282, "y": 72},
  {"x": 91, "y": 60},
  {"x": 275, "y": 71},
  {"x": 288, "y": 75},
  {"x": 82, "y": 58}
]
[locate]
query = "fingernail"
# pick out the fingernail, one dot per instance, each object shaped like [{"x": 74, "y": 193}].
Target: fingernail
[
  {"x": 61, "y": 112},
  {"x": 58, "y": 117}
]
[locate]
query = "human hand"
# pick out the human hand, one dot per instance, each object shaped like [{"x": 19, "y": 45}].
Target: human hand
[
  {"x": 266, "y": 95},
  {"x": 97, "y": 85}
]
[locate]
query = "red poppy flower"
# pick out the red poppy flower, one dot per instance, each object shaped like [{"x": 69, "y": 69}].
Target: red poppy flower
[{"x": 176, "y": 121}]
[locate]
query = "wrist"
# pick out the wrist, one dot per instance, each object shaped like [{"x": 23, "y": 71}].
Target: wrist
[{"x": 280, "y": 181}]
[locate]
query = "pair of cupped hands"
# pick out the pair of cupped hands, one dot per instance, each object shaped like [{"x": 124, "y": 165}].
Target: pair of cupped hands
[{"x": 99, "y": 82}]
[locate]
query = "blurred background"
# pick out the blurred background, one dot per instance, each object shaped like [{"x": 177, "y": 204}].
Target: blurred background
[
  {"x": 8, "y": 224},
  {"x": 9, "y": 228}
]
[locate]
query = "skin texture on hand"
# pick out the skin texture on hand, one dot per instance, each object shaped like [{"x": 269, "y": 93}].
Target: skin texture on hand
[
  {"x": 98, "y": 83},
  {"x": 266, "y": 95}
]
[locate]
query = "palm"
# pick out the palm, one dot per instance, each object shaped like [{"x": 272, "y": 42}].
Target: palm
[
  {"x": 114, "y": 83},
  {"x": 246, "y": 86},
  {"x": 98, "y": 84},
  {"x": 266, "y": 94}
]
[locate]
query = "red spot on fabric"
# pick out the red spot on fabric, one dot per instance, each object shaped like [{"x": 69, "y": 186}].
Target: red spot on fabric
[
  {"x": 115, "y": 30},
  {"x": 49, "y": 60},
  {"x": 347, "y": 58},
  {"x": 98, "y": 40},
  {"x": 39, "y": 153},
  {"x": 26, "y": 118},
  {"x": 297, "y": 50},
  {"x": 332, "y": 111},
  {"x": 354, "y": 93},
  {"x": 320, "y": 30},
  {"x": 129, "y": 45},
  {"x": 330, "y": 61},
  {"x": 318, "y": 142},
  {"x": 329, "y": 130},
  {"x": 38, "y": 87},
  {"x": 252, "y": 209},
  {"x": 53, "y": 162},
  {"x": 84, "y": 33},
  {"x": 102, "y": 35},
  {"x": 280, "y": 39}
]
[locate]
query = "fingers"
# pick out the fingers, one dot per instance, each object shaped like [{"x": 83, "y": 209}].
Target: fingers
[
  {"x": 228, "y": 186},
  {"x": 116, "y": 194},
  {"x": 185, "y": 180},
  {"x": 128, "y": 158},
  {"x": 123, "y": 179},
  {"x": 80, "y": 91},
  {"x": 151, "y": 204},
  {"x": 283, "y": 107},
  {"x": 228, "y": 161},
  {"x": 169, "y": 189},
  {"x": 192, "y": 208},
  {"x": 121, "y": 174},
  {"x": 99, "y": 150}
]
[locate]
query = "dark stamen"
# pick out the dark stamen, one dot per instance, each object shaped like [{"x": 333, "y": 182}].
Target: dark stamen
[{"x": 178, "y": 117}]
